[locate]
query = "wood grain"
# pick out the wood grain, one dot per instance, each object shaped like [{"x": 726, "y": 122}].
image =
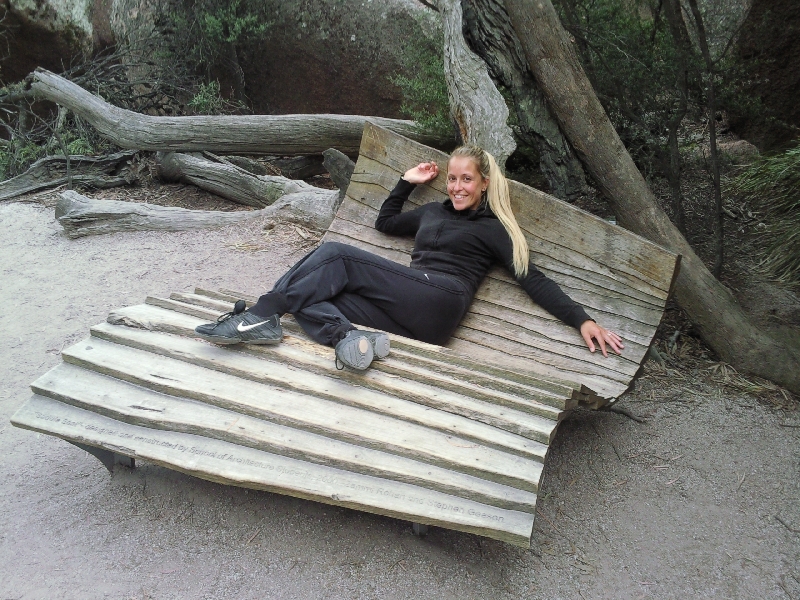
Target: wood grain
[{"x": 227, "y": 463}]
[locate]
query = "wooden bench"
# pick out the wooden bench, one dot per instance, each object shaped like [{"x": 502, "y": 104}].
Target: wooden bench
[{"x": 454, "y": 437}]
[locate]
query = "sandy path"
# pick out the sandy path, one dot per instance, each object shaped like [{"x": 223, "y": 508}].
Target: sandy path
[{"x": 683, "y": 506}]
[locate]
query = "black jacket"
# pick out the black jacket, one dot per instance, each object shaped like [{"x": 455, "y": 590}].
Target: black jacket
[{"x": 466, "y": 244}]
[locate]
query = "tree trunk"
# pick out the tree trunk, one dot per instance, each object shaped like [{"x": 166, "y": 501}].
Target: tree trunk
[
  {"x": 98, "y": 172},
  {"x": 479, "y": 110},
  {"x": 683, "y": 43},
  {"x": 711, "y": 113},
  {"x": 711, "y": 306},
  {"x": 81, "y": 216},
  {"x": 258, "y": 134},
  {"x": 489, "y": 33}
]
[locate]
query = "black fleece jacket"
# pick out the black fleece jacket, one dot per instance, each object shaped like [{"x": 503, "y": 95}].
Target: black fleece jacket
[{"x": 466, "y": 243}]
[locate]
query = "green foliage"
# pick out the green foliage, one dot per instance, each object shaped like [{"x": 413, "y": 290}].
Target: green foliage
[
  {"x": 80, "y": 146},
  {"x": 424, "y": 88},
  {"x": 204, "y": 34},
  {"x": 230, "y": 22},
  {"x": 207, "y": 100},
  {"x": 773, "y": 184},
  {"x": 17, "y": 156},
  {"x": 634, "y": 65}
]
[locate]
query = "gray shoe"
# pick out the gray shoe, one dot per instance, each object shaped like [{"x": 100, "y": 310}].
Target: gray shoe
[
  {"x": 380, "y": 343},
  {"x": 354, "y": 350},
  {"x": 239, "y": 326}
]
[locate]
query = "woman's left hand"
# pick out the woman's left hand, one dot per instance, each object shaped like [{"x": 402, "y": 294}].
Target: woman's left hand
[{"x": 591, "y": 330}]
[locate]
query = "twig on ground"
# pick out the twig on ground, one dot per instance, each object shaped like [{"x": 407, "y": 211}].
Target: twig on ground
[
  {"x": 782, "y": 522},
  {"x": 549, "y": 522},
  {"x": 625, "y": 413},
  {"x": 252, "y": 537}
]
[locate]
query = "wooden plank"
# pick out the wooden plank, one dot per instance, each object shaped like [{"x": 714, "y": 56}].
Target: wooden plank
[
  {"x": 293, "y": 409},
  {"x": 404, "y": 406},
  {"x": 475, "y": 345},
  {"x": 602, "y": 281},
  {"x": 230, "y": 464},
  {"x": 138, "y": 406},
  {"x": 297, "y": 350},
  {"x": 510, "y": 295},
  {"x": 417, "y": 357},
  {"x": 439, "y": 375},
  {"x": 521, "y": 376},
  {"x": 562, "y": 354}
]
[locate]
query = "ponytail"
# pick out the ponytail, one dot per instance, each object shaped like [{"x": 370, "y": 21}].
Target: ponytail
[{"x": 500, "y": 203}]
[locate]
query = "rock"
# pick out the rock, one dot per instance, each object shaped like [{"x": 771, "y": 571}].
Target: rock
[{"x": 45, "y": 33}]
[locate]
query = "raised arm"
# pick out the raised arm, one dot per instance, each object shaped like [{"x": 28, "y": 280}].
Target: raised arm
[{"x": 391, "y": 219}]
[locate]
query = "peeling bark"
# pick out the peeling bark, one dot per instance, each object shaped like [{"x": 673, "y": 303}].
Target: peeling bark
[{"x": 477, "y": 106}]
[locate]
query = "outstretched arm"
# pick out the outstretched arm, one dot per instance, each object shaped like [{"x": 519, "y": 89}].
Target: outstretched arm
[{"x": 549, "y": 295}]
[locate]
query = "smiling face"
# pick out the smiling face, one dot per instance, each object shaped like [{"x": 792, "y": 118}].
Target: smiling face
[{"x": 464, "y": 183}]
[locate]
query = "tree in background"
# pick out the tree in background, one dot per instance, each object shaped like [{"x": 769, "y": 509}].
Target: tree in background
[{"x": 208, "y": 36}]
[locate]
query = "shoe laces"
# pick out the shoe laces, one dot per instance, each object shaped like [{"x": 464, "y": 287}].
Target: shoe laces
[{"x": 238, "y": 309}]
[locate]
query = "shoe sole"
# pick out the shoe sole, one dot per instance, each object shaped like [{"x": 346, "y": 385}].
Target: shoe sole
[
  {"x": 263, "y": 342},
  {"x": 222, "y": 341},
  {"x": 357, "y": 355},
  {"x": 381, "y": 347}
]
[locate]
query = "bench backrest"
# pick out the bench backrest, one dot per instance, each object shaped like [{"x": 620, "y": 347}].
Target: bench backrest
[{"x": 621, "y": 279}]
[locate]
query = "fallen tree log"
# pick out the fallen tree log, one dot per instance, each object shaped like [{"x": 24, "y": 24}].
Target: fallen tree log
[
  {"x": 226, "y": 179},
  {"x": 247, "y": 134},
  {"x": 81, "y": 216},
  {"x": 714, "y": 311},
  {"x": 99, "y": 172}
]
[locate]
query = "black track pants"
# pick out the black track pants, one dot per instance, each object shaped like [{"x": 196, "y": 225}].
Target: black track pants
[{"x": 337, "y": 285}]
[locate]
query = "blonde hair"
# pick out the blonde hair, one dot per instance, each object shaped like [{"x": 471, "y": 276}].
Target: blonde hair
[{"x": 499, "y": 202}]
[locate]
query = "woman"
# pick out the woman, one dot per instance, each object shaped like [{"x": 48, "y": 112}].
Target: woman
[{"x": 456, "y": 242}]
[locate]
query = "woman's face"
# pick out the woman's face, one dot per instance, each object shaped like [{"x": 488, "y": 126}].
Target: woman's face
[{"x": 464, "y": 183}]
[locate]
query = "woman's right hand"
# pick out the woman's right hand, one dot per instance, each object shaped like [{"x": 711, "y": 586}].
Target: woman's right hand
[{"x": 422, "y": 173}]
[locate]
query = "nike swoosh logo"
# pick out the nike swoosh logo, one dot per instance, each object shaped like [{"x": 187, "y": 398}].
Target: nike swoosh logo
[{"x": 241, "y": 327}]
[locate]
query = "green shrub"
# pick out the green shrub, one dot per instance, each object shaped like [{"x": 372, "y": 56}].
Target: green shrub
[
  {"x": 772, "y": 184},
  {"x": 424, "y": 88},
  {"x": 17, "y": 156},
  {"x": 80, "y": 146},
  {"x": 207, "y": 100}
]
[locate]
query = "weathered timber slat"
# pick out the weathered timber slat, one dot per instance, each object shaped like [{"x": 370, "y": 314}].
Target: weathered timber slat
[
  {"x": 522, "y": 376},
  {"x": 294, "y": 409},
  {"x": 358, "y": 221},
  {"x": 231, "y": 464},
  {"x": 132, "y": 404},
  {"x": 303, "y": 354},
  {"x": 440, "y": 374},
  {"x": 279, "y": 374},
  {"x": 474, "y": 344}
]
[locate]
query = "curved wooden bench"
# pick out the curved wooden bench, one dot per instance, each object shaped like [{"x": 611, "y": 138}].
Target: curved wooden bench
[{"x": 454, "y": 437}]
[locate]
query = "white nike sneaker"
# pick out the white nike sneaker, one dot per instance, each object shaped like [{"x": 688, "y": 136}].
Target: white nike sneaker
[{"x": 242, "y": 327}]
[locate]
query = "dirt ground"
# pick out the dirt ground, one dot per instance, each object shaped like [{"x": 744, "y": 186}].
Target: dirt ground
[{"x": 700, "y": 500}]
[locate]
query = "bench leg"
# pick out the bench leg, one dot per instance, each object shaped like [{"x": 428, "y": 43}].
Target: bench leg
[
  {"x": 107, "y": 457},
  {"x": 419, "y": 529}
]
